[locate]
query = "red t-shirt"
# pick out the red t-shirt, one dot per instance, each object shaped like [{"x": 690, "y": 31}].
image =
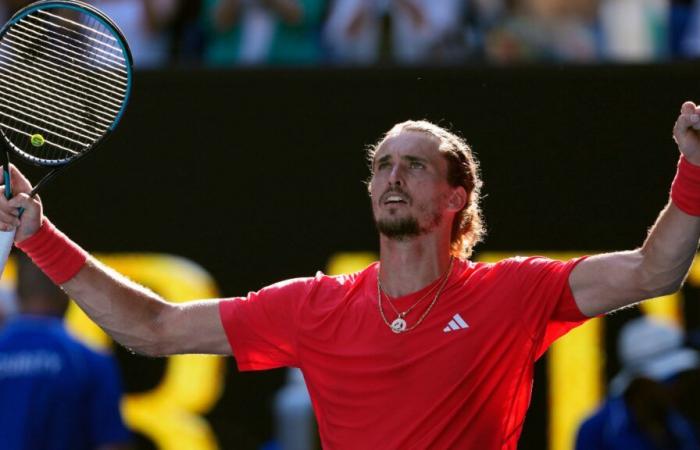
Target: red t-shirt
[{"x": 461, "y": 379}]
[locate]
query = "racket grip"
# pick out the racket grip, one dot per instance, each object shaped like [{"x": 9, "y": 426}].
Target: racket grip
[
  {"x": 6, "y": 240},
  {"x": 6, "y": 177}
]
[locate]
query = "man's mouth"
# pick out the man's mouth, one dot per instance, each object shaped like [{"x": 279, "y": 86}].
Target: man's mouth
[{"x": 394, "y": 198}]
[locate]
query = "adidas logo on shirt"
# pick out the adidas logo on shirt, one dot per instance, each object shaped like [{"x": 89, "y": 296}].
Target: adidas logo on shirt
[{"x": 457, "y": 323}]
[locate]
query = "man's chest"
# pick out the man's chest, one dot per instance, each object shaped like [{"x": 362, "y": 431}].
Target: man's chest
[{"x": 460, "y": 335}]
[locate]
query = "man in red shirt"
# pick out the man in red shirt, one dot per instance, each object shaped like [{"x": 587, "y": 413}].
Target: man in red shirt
[{"x": 424, "y": 349}]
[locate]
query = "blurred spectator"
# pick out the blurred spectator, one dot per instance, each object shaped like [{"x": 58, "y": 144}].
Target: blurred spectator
[
  {"x": 685, "y": 28},
  {"x": 635, "y": 30},
  {"x": 295, "y": 426},
  {"x": 640, "y": 412},
  {"x": 57, "y": 394},
  {"x": 680, "y": 14},
  {"x": 420, "y": 30},
  {"x": 145, "y": 23},
  {"x": 9, "y": 7},
  {"x": 8, "y": 305},
  {"x": 482, "y": 16},
  {"x": 263, "y": 31},
  {"x": 187, "y": 37},
  {"x": 549, "y": 30}
]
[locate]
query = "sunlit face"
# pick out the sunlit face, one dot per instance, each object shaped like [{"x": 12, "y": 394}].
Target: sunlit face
[{"x": 409, "y": 186}]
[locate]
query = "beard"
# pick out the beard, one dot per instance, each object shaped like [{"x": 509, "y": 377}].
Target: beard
[{"x": 404, "y": 228}]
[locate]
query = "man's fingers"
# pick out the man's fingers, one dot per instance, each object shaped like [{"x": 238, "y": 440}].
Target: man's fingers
[
  {"x": 688, "y": 108},
  {"x": 8, "y": 221},
  {"x": 20, "y": 183},
  {"x": 9, "y": 215},
  {"x": 688, "y": 120},
  {"x": 21, "y": 200}
]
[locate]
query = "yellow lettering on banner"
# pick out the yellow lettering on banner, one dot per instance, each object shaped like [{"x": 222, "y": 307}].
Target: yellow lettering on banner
[
  {"x": 170, "y": 414},
  {"x": 694, "y": 275},
  {"x": 349, "y": 262},
  {"x": 666, "y": 308},
  {"x": 575, "y": 371}
]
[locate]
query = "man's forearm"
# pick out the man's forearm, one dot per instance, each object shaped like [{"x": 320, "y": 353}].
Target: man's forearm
[
  {"x": 128, "y": 312},
  {"x": 672, "y": 242},
  {"x": 669, "y": 250}
]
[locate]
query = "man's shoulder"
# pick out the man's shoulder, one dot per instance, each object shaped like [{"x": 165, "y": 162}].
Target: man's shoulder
[
  {"x": 512, "y": 268},
  {"x": 519, "y": 262},
  {"x": 346, "y": 280},
  {"x": 320, "y": 284}
]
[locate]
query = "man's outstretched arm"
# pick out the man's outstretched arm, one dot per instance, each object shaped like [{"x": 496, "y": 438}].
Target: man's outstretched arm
[
  {"x": 611, "y": 281},
  {"x": 134, "y": 316}
]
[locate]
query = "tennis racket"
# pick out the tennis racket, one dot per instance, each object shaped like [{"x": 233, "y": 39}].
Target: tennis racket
[{"x": 65, "y": 79}]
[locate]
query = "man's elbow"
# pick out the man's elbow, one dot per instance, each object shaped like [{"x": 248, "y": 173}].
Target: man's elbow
[
  {"x": 660, "y": 285},
  {"x": 155, "y": 335},
  {"x": 659, "y": 277}
]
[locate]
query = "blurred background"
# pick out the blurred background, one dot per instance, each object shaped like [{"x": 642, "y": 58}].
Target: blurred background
[
  {"x": 366, "y": 33},
  {"x": 240, "y": 162}
]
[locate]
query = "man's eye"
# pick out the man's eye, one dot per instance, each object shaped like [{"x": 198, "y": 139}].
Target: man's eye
[
  {"x": 417, "y": 165},
  {"x": 382, "y": 165}
]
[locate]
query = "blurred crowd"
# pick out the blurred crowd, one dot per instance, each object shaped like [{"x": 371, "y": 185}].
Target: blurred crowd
[
  {"x": 652, "y": 402},
  {"x": 367, "y": 32}
]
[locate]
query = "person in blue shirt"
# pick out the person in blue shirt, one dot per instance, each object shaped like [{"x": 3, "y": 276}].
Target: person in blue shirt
[
  {"x": 640, "y": 412},
  {"x": 55, "y": 392}
]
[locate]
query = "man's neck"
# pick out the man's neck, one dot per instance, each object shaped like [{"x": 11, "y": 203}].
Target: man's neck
[{"x": 409, "y": 265}]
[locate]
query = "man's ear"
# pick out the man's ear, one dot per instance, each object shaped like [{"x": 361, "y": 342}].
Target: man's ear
[{"x": 457, "y": 199}]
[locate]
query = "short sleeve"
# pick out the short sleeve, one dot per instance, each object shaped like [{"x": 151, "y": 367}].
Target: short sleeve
[
  {"x": 107, "y": 426},
  {"x": 548, "y": 305},
  {"x": 262, "y": 327}
]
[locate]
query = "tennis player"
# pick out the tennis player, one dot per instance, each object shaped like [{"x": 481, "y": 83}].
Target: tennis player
[{"x": 424, "y": 349}]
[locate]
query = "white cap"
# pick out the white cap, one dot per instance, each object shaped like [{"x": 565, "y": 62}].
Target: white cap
[{"x": 653, "y": 349}]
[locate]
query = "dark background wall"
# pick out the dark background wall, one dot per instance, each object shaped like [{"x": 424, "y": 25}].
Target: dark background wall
[{"x": 258, "y": 175}]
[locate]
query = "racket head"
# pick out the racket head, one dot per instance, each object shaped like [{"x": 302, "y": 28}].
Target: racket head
[{"x": 66, "y": 75}]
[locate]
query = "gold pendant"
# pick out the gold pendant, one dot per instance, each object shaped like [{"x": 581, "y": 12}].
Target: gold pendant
[{"x": 398, "y": 325}]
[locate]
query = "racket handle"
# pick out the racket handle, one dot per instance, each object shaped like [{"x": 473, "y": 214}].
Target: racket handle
[
  {"x": 6, "y": 177},
  {"x": 6, "y": 240},
  {"x": 6, "y": 237}
]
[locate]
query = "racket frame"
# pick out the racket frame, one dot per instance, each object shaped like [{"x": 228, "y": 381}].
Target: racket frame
[{"x": 7, "y": 145}]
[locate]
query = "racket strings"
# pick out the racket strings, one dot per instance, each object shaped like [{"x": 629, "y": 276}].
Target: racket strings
[
  {"x": 61, "y": 78},
  {"x": 25, "y": 91},
  {"x": 52, "y": 61},
  {"x": 54, "y": 81},
  {"x": 104, "y": 68},
  {"x": 66, "y": 112},
  {"x": 73, "y": 45},
  {"x": 89, "y": 32},
  {"x": 58, "y": 62}
]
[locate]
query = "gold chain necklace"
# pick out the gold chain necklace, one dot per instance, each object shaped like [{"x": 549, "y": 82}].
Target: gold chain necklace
[
  {"x": 399, "y": 325},
  {"x": 422, "y": 297}
]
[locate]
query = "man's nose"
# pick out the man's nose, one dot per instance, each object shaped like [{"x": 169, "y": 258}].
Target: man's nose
[{"x": 396, "y": 175}]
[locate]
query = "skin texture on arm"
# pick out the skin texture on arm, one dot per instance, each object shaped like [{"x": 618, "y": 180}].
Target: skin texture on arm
[
  {"x": 143, "y": 322},
  {"x": 134, "y": 316},
  {"x": 607, "y": 282}
]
